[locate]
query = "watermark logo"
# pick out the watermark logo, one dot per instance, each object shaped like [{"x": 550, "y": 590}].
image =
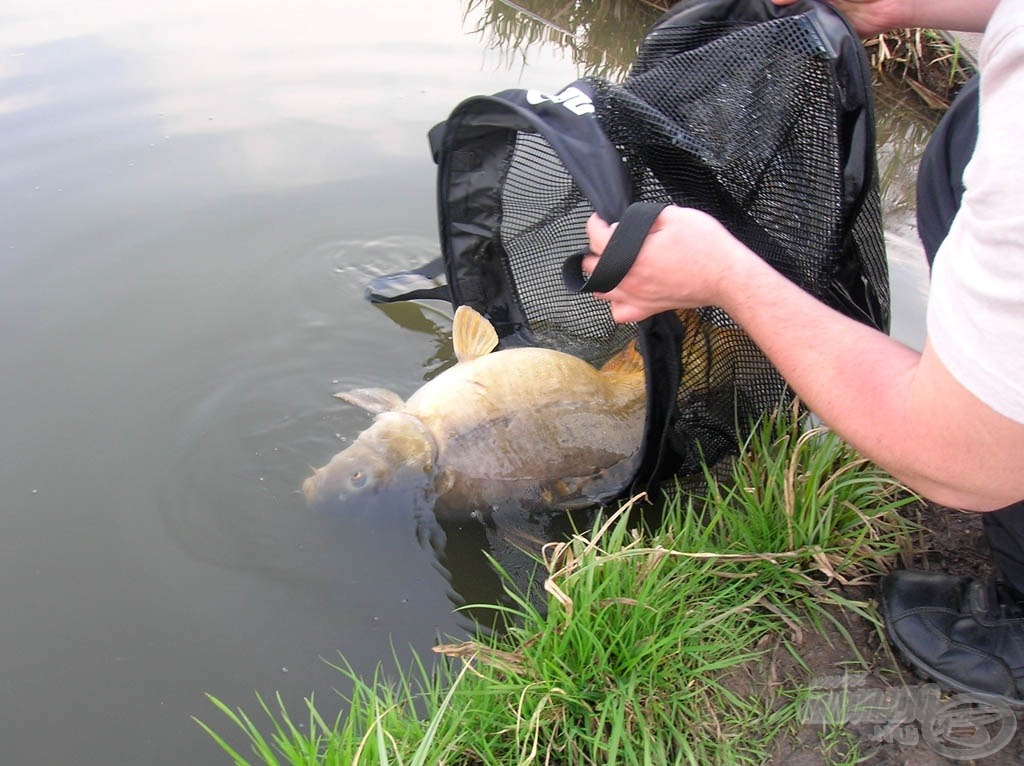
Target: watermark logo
[{"x": 960, "y": 727}]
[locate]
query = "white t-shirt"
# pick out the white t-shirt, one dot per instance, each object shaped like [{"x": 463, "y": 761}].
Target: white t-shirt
[{"x": 976, "y": 298}]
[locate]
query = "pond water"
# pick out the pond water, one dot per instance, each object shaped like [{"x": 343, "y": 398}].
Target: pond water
[{"x": 194, "y": 198}]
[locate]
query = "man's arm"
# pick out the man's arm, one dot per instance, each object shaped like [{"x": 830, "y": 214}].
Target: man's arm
[
  {"x": 899, "y": 408},
  {"x": 902, "y": 409},
  {"x": 870, "y": 17}
]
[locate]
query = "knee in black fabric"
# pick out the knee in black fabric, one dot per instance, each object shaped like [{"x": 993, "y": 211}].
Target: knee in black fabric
[
  {"x": 1004, "y": 530},
  {"x": 940, "y": 177}
]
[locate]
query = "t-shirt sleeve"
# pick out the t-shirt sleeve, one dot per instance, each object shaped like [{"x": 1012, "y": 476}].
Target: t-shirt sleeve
[{"x": 976, "y": 298}]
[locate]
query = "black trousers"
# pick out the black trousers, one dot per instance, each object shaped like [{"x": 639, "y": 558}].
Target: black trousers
[{"x": 939, "y": 191}]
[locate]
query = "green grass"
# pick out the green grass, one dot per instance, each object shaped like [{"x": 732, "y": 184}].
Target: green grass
[{"x": 651, "y": 641}]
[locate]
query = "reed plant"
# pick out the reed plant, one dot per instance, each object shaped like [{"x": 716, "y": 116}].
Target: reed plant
[
  {"x": 602, "y": 37},
  {"x": 654, "y": 640},
  {"x": 928, "y": 62}
]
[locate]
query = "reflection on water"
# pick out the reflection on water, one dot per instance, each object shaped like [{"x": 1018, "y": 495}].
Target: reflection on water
[
  {"x": 904, "y": 125},
  {"x": 601, "y": 36},
  {"x": 433, "y": 319},
  {"x": 195, "y": 198}
]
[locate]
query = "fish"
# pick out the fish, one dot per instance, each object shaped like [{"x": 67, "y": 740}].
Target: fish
[{"x": 532, "y": 426}]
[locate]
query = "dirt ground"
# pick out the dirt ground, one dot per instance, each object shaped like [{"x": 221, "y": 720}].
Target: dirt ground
[{"x": 955, "y": 543}]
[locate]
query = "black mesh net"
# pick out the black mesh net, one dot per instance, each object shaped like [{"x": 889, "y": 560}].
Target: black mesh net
[
  {"x": 543, "y": 214},
  {"x": 746, "y": 122}
]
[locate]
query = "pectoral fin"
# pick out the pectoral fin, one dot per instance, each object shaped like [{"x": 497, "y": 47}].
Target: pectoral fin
[
  {"x": 472, "y": 335},
  {"x": 375, "y": 400}
]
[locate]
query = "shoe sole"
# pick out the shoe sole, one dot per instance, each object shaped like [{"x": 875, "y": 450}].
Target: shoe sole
[{"x": 921, "y": 669}]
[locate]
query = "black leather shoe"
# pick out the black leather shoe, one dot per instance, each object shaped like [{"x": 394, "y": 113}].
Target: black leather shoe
[{"x": 965, "y": 635}]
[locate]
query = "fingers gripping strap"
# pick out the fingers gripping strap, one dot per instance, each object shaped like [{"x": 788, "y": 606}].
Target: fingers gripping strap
[{"x": 618, "y": 255}]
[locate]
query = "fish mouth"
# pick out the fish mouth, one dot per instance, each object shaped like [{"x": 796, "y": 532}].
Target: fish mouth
[{"x": 311, "y": 486}]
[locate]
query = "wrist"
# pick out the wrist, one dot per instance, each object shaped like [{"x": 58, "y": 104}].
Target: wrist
[{"x": 733, "y": 282}]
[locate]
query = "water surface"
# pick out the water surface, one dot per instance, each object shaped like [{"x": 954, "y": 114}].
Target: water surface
[{"x": 194, "y": 198}]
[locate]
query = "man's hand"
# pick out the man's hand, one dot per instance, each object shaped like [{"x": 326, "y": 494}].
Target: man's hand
[
  {"x": 868, "y": 17},
  {"x": 685, "y": 262}
]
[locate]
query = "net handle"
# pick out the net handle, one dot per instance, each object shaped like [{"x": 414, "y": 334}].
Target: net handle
[{"x": 619, "y": 254}]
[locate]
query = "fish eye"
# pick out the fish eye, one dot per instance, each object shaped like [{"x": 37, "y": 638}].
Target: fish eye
[{"x": 358, "y": 479}]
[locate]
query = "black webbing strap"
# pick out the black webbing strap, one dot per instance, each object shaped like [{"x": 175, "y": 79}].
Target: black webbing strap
[
  {"x": 423, "y": 283},
  {"x": 618, "y": 255}
]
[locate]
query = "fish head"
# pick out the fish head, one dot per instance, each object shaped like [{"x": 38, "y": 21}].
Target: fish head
[{"x": 396, "y": 452}]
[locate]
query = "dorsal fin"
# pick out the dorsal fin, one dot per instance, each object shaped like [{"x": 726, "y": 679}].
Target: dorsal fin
[
  {"x": 375, "y": 400},
  {"x": 626, "y": 362},
  {"x": 472, "y": 335}
]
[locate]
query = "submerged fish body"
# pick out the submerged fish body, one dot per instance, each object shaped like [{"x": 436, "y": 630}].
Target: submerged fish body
[{"x": 531, "y": 425}]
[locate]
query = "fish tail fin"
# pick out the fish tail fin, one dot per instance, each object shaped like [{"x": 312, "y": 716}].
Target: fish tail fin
[{"x": 627, "y": 362}]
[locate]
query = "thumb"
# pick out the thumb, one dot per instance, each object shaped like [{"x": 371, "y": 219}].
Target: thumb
[{"x": 598, "y": 233}]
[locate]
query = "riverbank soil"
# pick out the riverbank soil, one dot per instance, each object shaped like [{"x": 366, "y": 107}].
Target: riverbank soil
[{"x": 951, "y": 542}]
